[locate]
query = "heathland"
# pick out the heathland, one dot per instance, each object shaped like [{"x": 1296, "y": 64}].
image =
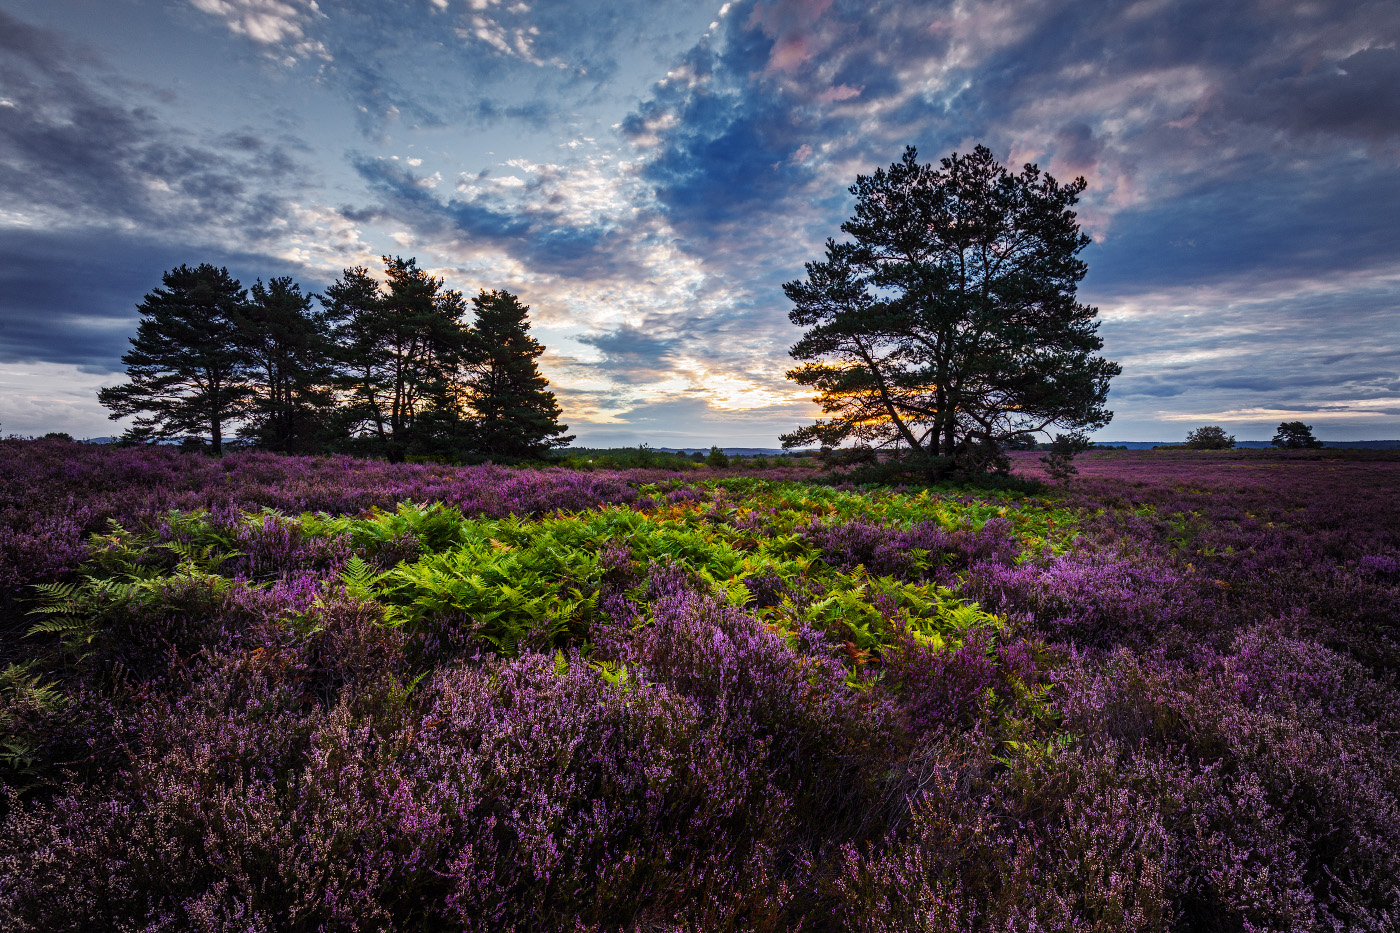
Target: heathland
[{"x": 291, "y": 693}]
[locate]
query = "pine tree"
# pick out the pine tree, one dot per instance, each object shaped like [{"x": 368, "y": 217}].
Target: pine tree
[
  {"x": 290, "y": 369},
  {"x": 350, "y": 307},
  {"x": 516, "y": 415},
  {"x": 1295, "y": 435},
  {"x": 186, "y": 364},
  {"x": 401, "y": 347},
  {"x": 948, "y": 324},
  {"x": 1210, "y": 437}
]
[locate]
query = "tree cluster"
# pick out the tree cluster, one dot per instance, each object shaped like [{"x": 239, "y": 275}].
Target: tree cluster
[
  {"x": 946, "y": 327},
  {"x": 394, "y": 367}
]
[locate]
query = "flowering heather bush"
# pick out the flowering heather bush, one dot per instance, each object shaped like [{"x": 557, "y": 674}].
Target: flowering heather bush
[
  {"x": 272, "y": 693},
  {"x": 54, "y": 494}
]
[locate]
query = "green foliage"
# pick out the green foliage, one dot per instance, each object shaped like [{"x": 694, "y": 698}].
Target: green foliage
[
  {"x": 359, "y": 578},
  {"x": 505, "y": 595},
  {"x": 513, "y": 582},
  {"x": 717, "y": 460},
  {"x": 642, "y": 457},
  {"x": 24, "y": 696},
  {"x": 433, "y": 527},
  {"x": 132, "y": 571},
  {"x": 869, "y": 614}
]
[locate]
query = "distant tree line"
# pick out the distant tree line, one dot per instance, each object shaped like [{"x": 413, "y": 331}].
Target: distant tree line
[{"x": 397, "y": 367}]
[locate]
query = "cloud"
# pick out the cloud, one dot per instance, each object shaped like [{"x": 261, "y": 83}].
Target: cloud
[
  {"x": 1354, "y": 410},
  {"x": 1132, "y": 97},
  {"x": 280, "y": 26},
  {"x": 1241, "y": 167},
  {"x": 542, "y": 219},
  {"x": 516, "y": 39},
  {"x": 38, "y": 397},
  {"x": 692, "y": 421},
  {"x": 633, "y": 355},
  {"x": 74, "y": 153},
  {"x": 1244, "y": 170},
  {"x": 1294, "y": 344},
  {"x": 442, "y": 64},
  {"x": 70, "y": 296}
]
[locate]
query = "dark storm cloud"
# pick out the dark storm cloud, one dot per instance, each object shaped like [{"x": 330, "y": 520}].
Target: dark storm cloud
[
  {"x": 73, "y": 152},
  {"x": 736, "y": 133},
  {"x": 1339, "y": 217},
  {"x": 71, "y": 296},
  {"x": 729, "y": 142},
  {"x": 108, "y": 196}
]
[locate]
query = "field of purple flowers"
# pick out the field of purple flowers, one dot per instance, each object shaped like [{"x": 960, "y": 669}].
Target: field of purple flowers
[{"x": 270, "y": 693}]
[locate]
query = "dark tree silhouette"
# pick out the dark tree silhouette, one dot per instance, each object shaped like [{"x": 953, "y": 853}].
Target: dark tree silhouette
[
  {"x": 515, "y": 413},
  {"x": 401, "y": 347},
  {"x": 1295, "y": 435},
  {"x": 387, "y": 367},
  {"x": 289, "y": 352},
  {"x": 350, "y": 306},
  {"x": 1210, "y": 437},
  {"x": 186, "y": 364},
  {"x": 948, "y": 326}
]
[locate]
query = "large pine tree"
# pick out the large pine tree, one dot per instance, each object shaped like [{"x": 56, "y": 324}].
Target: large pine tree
[
  {"x": 350, "y": 306},
  {"x": 186, "y": 364},
  {"x": 948, "y": 325},
  {"x": 401, "y": 345},
  {"x": 516, "y": 414},
  {"x": 290, "y": 369}
]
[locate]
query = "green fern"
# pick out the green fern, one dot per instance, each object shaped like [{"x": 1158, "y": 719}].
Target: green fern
[
  {"x": 359, "y": 578},
  {"x": 23, "y": 692}
]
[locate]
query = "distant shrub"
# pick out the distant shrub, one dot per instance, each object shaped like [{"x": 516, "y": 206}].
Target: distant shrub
[
  {"x": 623, "y": 458},
  {"x": 1209, "y": 437}
]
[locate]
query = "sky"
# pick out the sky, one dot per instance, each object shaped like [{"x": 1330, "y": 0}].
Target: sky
[{"x": 646, "y": 174}]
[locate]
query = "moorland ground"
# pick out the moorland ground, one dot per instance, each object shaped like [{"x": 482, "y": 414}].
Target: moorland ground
[{"x": 273, "y": 693}]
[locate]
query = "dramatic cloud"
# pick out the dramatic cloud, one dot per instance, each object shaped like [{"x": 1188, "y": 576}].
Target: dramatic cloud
[{"x": 647, "y": 175}]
